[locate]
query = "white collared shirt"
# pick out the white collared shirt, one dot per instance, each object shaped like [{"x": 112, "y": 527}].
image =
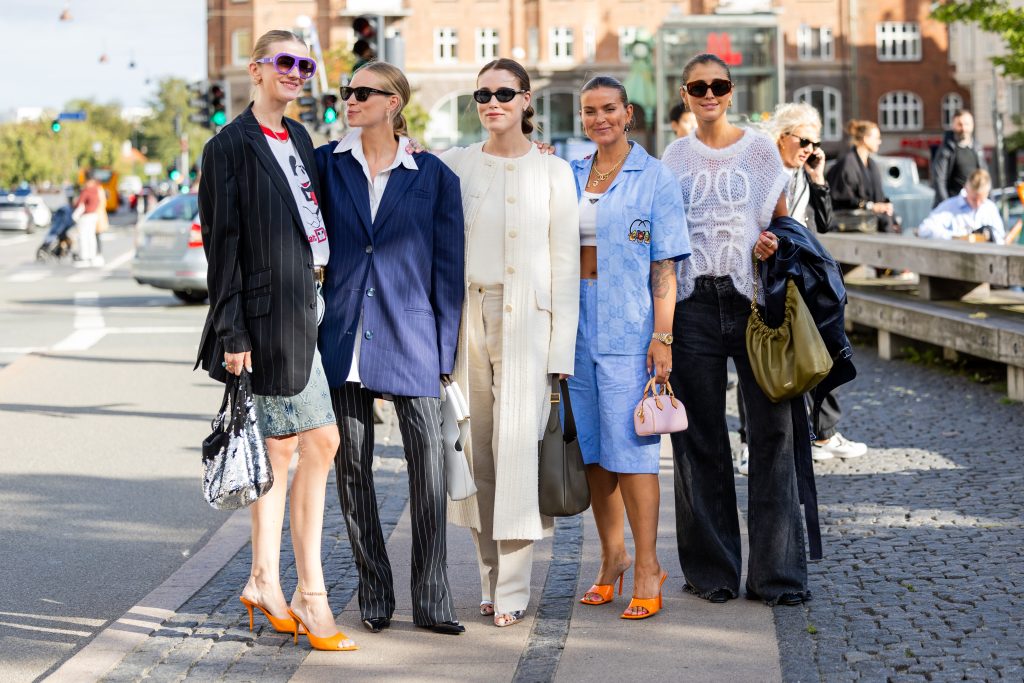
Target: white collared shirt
[
  {"x": 375, "y": 186},
  {"x": 956, "y": 218},
  {"x": 353, "y": 142}
]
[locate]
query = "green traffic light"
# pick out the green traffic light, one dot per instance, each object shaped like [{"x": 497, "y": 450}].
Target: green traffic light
[
  {"x": 55, "y": 125},
  {"x": 175, "y": 175},
  {"x": 219, "y": 118},
  {"x": 330, "y": 115}
]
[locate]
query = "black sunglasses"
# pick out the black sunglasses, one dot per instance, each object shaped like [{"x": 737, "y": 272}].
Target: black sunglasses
[
  {"x": 718, "y": 87},
  {"x": 483, "y": 96},
  {"x": 804, "y": 142},
  {"x": 362, "y": 93}
]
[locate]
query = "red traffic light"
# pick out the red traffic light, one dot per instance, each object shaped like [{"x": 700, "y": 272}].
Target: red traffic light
[{"x": 364, "y": 27}]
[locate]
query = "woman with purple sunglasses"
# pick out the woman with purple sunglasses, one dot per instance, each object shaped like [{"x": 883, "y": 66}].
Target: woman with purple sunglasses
[{"x": 266, "y": 245}]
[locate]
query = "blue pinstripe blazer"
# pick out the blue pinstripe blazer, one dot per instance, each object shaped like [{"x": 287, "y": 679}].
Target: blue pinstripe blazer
[{"x": 403, "y": 273}]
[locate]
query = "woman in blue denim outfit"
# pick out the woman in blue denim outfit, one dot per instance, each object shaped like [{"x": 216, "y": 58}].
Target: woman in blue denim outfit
[{"x": 632, "y": 232}]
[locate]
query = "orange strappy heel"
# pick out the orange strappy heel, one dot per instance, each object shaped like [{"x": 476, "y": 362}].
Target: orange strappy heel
[
  {"x": 328, "y": 644},
  {"x": 652, "y": 605},
  {"x": 605, "y": 590},
  {"x": 280, "y": 625}
]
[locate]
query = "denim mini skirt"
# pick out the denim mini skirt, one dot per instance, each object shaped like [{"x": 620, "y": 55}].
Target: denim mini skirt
[{"x": 309, "y": 409}]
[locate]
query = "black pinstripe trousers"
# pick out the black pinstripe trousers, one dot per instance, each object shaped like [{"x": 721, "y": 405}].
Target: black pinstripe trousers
[{"x": 419, "y": 420}]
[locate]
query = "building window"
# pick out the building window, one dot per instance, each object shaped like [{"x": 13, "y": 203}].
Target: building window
[
  {"x": 900, "y": 110},
  {"x": 561, "y": 45},
  {"x": 1015, "y": 98},
  {"x": 814, "y": 43},
  {"x": 589, "y": 44},
  {"x": 951, "y": 104},
  {"x": 829, "y": 103},
  {"x": 453, "y": 121},
  {"x": 557, "y": 114},
  {"x": 241, "y": 46},
  {"x": 898, "y": 41},
  {"x": 627, "y": 36},
  {"x": 486, "y": 44},
  {"x": 446, "y": 45}
]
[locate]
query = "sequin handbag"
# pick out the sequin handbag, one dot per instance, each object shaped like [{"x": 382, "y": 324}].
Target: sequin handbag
[
  {"x": 236, "y": 466},
  {"x": 660, "y": 412}
]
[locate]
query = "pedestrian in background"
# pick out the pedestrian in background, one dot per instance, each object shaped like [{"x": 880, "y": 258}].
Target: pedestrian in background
[
  {"x": 969, "y": 216},
  {"x": 86, "y": 216},
  {"x": 957, "y": 158},
  {"x": 394, "y": 294},
  {"x": 683, "y": 122},
  {"x": 856, "y": 182},
  {"x": 266, "y": 247},
  {"x": 632, "y": 232},
  {"x": 518, "y": 327},
  {"x": 733, "y": 184}
]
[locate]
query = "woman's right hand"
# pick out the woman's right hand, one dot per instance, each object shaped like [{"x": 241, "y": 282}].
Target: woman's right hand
[{"x": 234, "y": 362}]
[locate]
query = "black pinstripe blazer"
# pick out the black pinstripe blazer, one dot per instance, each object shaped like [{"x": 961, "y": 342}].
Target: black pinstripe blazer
[{"x": 262, "y": 295}]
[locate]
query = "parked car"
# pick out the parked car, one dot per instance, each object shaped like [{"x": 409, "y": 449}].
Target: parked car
[
  {"x": 169, "y": 249},
  {"x": 16, "y": 214},
  {"x": 911, "y": 199}
]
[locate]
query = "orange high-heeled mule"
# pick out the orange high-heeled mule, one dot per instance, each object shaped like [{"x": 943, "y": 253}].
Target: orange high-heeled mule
[
  {"x": 652, "y": 605},
  {"x": 280, "y": 625},
  {"x": 328, "y": 644},
  {"x": 605, "y": 590}
]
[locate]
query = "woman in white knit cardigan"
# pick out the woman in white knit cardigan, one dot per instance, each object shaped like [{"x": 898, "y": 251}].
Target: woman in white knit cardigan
[{"x": 518, "y": 327}]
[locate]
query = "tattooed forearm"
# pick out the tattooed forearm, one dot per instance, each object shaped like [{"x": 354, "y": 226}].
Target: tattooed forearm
[{"x": 663, "y": 278}]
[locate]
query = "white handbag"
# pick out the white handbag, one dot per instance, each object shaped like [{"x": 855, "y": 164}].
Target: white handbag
[{"x": 454, "y": 415}]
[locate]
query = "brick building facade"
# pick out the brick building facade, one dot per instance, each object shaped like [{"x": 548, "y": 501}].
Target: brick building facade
[{"x": 882, "y": 60}]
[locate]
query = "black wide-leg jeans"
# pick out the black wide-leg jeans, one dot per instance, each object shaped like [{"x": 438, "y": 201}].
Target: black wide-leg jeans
[{"x": 709, "y": 328}]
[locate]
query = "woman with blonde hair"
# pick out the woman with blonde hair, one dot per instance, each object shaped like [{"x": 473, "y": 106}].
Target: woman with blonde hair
[
  {"x": 266, "y": 247},
  {"x": 394, "y": 290},
  {"x": 856, "y": 181},
  {"x": 518, "y": 327}
]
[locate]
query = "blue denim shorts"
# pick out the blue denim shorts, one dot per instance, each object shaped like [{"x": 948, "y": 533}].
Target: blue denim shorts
[
  {"x": 309, "y": 409},
  {"x": 605, "y": 390}
]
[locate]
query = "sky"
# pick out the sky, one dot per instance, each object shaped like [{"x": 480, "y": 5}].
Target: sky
[{"x": 49, "y": 62}]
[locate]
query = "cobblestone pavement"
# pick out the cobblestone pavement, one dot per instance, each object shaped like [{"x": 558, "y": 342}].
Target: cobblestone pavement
[
  {"x": 922, "y": 578},
  {"x": 209, "y": 639}
]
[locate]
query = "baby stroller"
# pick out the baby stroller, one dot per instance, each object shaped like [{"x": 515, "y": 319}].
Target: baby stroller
[{"x": 57, "y": 243}]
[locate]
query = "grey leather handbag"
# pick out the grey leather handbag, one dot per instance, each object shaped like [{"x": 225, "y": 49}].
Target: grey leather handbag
[{"x": 562, "y": 478}]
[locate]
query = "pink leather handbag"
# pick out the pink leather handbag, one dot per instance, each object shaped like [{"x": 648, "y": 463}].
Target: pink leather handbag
[{"x": 660, "y": 412}]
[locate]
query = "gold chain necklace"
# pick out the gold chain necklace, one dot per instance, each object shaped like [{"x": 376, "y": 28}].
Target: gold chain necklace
[{"x": 601, "y": 177}]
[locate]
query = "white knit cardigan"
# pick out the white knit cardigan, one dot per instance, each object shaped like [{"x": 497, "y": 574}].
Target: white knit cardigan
[{"x": 541, "y": 308}]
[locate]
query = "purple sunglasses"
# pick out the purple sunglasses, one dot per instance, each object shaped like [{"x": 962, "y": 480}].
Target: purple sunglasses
[{"x": 284, "y": 62}]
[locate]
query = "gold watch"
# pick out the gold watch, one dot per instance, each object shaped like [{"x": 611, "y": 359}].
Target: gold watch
[{"x": 664, "y": 337}]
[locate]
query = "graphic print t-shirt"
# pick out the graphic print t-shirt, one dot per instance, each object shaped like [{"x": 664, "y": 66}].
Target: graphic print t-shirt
[{"x": 302, "y": 188}]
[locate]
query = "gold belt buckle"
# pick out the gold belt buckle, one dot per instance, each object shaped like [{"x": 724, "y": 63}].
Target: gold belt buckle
[
  {"x": 556, "y": 398},
  {"x": 319, "y": 274}
]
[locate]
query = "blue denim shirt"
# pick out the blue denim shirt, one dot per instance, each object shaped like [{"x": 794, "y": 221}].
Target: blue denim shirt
[{"x": 640, "y": 219}]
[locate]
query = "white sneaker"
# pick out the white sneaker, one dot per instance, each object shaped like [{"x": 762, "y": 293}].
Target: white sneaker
[
  {"x": 744, "y": 467},
  {"x": 838, "y": 446}
]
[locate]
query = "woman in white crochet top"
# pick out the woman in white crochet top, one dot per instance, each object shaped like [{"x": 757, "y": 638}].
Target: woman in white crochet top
[{"x": 733, "y": 184}]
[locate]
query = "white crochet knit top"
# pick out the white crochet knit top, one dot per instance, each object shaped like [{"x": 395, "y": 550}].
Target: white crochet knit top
[{"x": 730, "y": 195}]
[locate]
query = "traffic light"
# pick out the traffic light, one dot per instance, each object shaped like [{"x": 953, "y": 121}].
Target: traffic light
[
  {"x": 308, "y": 104},
  {"x": 174, "y": 174},
  {"x": 198, "y": 102},
  {"x": 369, "y": 39},
  {"x": 218, "y": 113},
  {"x": 55, "y": 125},
  {"x": 330, "y": 105}
]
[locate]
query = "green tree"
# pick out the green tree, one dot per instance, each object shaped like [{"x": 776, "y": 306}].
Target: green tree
[
  {"x": 1002, "y": 19},
  {"x": 158, "y": 133}
]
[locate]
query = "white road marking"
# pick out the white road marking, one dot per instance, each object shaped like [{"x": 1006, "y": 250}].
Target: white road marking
[
  {"x": 20, "y": 351},
  {"x": 45, "y": 629},
  {"x": 81, "y": 621},
  {"x": 154, "y": 330},
  {"x": 14, "y": 240},
  {"x": 89, "y": 324},
  {"x": 30, "y": 276},
  {"x": 102, "y": 272}
]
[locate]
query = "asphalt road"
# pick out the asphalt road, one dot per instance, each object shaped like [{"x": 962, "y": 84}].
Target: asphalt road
[{"x": 101, "y": 418}]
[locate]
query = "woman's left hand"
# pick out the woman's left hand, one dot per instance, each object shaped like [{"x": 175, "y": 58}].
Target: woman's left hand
[
  {"x": 817, "y": 172},
  {"x": 659, "y": 361},
  {"x": 767, "y": 244},
  {"x": 414, "y": 147}
]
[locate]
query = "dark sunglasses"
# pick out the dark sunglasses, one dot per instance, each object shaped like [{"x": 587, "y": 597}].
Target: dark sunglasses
[
  {"x": 284, "y": 62},
  {"x": 483, "y": 96},
  {"x": 804, "y": 142},
  {"x": 362, "y": 93},
  {"x": 718, "y": 87}
]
